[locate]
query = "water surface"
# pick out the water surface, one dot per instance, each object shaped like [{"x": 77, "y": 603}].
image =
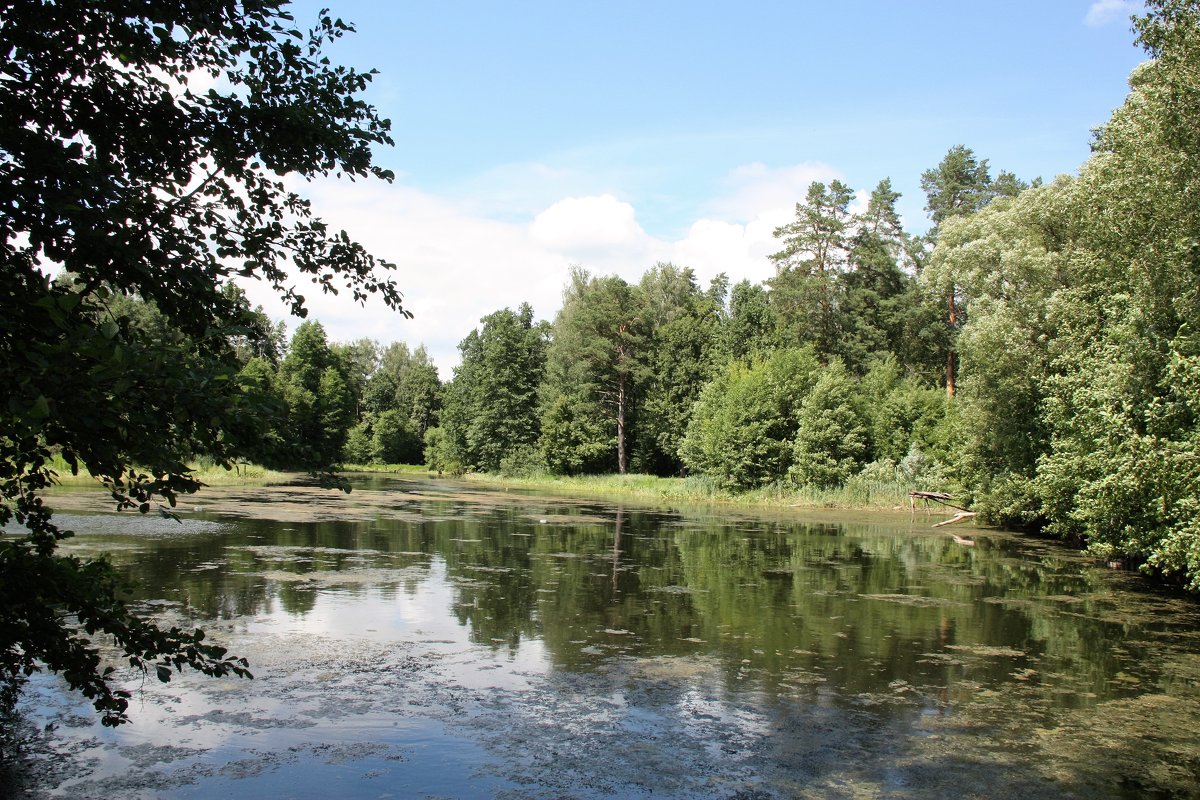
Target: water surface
[{"x": 424, "y": 638}]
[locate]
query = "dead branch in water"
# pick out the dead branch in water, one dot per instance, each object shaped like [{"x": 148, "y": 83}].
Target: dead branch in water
[{"x": 959, "y": 517}]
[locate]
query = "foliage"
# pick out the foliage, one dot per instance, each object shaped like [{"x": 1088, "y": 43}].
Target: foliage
[
  {"x": 523, "y": 461},
  {"x": 831, "y": 434},
  {"x": 1122, "y": 471},
  {"x": 815, "y": 251},
  {"x": 742, "y": 430},
  {"x": 958, "y": 186},
  {"x": 682, "y": 324},
  {"x": 115, "y": 169},
  {"x": 873, "y": 287},
  {"x": 575, "y": 439},
  {"x": 595, "y": 364},
  {"x": 312, "y": 386},
  {"x": 492, "y": 406},
  {"x": 1005, "y": 262},
  {"x": 749, "y": 329},
  {"x": 394, "y": 439},
  {"x": 441, "y": 454}
]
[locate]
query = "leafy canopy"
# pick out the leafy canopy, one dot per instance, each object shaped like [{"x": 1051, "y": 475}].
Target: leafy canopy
[{"x": 119, "y": 169}]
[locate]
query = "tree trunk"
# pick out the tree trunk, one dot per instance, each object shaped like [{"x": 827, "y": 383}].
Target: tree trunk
[
  {"x": 621, "y": 425},
  {"x": 950, "y": 354}
]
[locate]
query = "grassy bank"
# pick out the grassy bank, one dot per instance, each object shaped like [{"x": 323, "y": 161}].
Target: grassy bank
[
  {"x": 856, "y": 494},
  {"x": 206, "y": 473},
  {"x": 419, "y": 469}
]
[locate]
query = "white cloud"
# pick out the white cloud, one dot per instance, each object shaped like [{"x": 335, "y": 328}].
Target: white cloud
[
  {"x": 584, "y": 226},
  {"x": 1102, "y": 12},
  {"x": 739, "y": 250},
  {"x": 453, "y": 268},
  {"x": 457, "y": 263},
  {"x": 755, "y": 189}
]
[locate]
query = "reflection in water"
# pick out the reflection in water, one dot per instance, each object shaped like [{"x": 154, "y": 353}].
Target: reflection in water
[{"x": 693, "y": 653}]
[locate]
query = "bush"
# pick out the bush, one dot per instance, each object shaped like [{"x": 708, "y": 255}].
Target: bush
[{"x": 525, "y": 461}]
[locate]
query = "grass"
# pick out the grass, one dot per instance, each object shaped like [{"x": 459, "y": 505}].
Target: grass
[
  {"x": 388, "y": 468},
  {"x": 206, "y": 472},
  {"x": 857, "y": 494}
]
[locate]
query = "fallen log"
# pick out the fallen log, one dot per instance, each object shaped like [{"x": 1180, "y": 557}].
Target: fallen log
[
  {"x": 941, "y": 498},
  {"x": 959, "y": 517}
]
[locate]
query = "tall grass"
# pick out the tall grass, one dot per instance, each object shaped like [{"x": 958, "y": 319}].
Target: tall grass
[
  {"x": 389, "y": 468},
  {"x": 204, "y": 471},
  {"x": 859, "y": 492}
]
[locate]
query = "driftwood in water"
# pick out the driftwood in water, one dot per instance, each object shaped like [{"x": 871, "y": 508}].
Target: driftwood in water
[
  {"x": 941, "y": 498},
  {"x": 959, "y": 517}
]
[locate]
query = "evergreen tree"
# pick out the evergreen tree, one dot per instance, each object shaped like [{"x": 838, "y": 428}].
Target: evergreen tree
[
  {"x": 594, "y": 366},
  {"x": 815, "y": 251},
  {"x": 874, "y": 286}
]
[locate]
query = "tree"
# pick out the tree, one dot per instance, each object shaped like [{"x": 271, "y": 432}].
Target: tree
[
  {"x": 875, "y": 283},
  {"x": 742, "y": 430},
  {"x": 815, "y": 252},
  {"x": 682, "y": 326},
  {"x": 1123, "y": 471},
  {"x": 1005, "y": 263},
  {"x": 492, "y": 404},
  {"x": 596, "y": 360},
  {"x": 359, "y": 360},
  {"x": 831, "y": 434},
  {"x": 749, "y": 329},
  {"x": 419, "y": 392},
  {"x": 116, "y": 169},
  {"x": 319, "y": 402},
  {"x": 959, "y": 186}
]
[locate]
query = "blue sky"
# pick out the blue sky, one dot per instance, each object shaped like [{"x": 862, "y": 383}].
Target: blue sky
[{"x": 533, "y": 135}]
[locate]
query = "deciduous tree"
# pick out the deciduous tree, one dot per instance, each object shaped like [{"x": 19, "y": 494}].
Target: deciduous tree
[{"x": 119, "y": 168}]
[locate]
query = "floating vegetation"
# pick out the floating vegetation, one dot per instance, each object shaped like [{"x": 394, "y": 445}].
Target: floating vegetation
[
  {"x": 913, "y": 600},
  {"x": 674, "y": 589},
  {"x": 986, "y": 651}
]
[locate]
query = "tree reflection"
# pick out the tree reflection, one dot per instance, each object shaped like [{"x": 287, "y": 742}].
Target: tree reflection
[{"x": 785, "y": 606}]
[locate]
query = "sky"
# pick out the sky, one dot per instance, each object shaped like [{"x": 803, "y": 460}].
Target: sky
[{"x": 533, "y": 136}]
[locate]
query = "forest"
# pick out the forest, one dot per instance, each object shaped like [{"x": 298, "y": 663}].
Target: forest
[{"x": 1035, "y": 352}]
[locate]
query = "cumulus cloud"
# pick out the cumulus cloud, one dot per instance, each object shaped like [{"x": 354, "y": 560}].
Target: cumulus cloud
[
  {"x": 452, "y": 267},
  {"x": 1102, "y": 12},
  {"x": 585, "y": 226}
]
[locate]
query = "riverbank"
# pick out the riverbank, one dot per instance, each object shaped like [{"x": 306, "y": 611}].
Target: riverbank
[
  {"x": 856, "y": 495},
  {"x": 207, "y": 474}
]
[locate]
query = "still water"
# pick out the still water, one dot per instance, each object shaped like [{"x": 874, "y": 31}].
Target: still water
[{"x": 423, "y": 638}]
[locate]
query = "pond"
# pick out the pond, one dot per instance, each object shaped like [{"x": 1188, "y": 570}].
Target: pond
[{"x": 423, "y": 638}]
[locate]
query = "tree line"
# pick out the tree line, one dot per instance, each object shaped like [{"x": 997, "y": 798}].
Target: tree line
[{"x": 841, "y": 361}]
